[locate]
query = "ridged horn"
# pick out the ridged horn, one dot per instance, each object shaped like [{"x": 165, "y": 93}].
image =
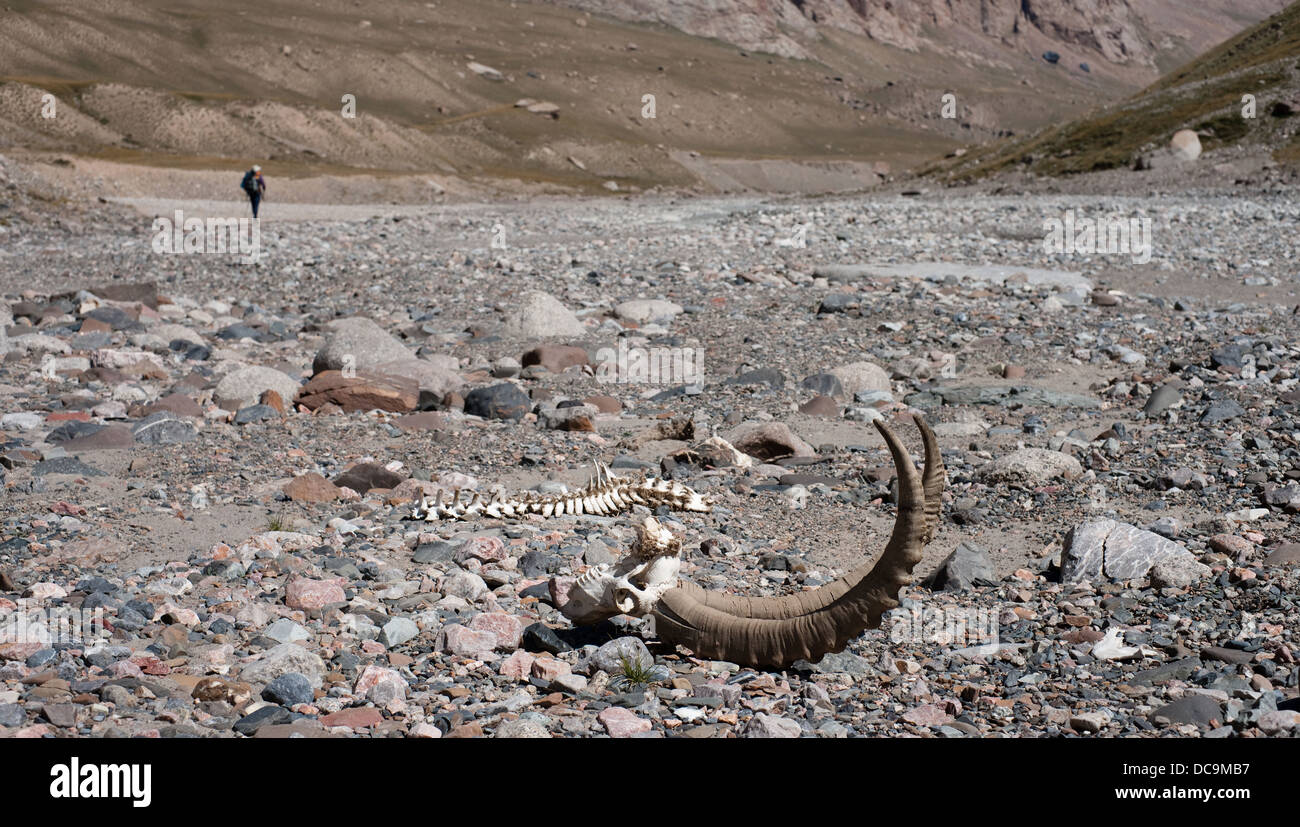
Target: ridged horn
[
  {"x": 775, "y": 632},
  {"x": 932, "y": 479}
]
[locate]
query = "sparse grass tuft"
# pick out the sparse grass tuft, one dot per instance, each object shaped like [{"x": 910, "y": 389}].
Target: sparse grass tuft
[
  {"x": 636, "y": 674},
  {"x": 278, "y": 522}
]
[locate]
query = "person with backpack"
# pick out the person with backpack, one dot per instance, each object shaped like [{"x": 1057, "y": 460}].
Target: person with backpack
[{"x": 255, "y": 186}]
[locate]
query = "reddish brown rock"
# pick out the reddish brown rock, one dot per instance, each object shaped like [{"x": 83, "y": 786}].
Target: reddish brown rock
[
  {"x": 364, "y": 392},
  {"x": 1287, "y": 554},
  {"x": 310, "y": 595},
  {"x": 559, "y": 588},
  {"x": 220, "y": 689},
  {"x": 411, "y": 490},
  {"x": 354, "y": 718},
  {"x": 365, "y": 476},
  {"x": 144, "y": 292},
  {"x": 177, "y": 403},
  {"x": 68, "y": 416},
  {"x": 423, "y": 421},
  {"x": 555, "y": 358},
  {"x": 150, "y": 665},
  {"x": 109, "y": 438},
  {"x": 1082, "y": 636},
  {"x": 518, "y": 666},
  {"x": 548, "y": 669},
  {"x": 89, "y": 325},
  {"x": 467, "y": 642},
  {"x": 311, "y": 488},
  {"x": 622, "y": 723},
  {"x": 1013, "y": 372},
  {"x": 273, "y": 400},
  {"x": 19, "y": 651},
  {"x": 769, "y": 441},
  {"x": 474, "y": 730},
  {"x": 486, "y": 549},
  {"x": 604, "y": 404},
  {"x": 508, "y": 629},
  {"x": 576, "y": 423},
  {"x": 927, "y": 715},
  {"x": 821, "y": 406},
  {"x": 1236, "y": 547}
]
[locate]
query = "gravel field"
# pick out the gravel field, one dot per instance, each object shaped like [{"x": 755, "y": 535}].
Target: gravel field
[{"x": 222, "y": 453}]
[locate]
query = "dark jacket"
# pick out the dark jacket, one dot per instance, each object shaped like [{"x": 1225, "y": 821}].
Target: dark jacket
[{"x": 253, "y": 183}]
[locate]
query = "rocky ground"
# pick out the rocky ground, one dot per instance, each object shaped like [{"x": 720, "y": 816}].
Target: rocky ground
[{"x": 223, "y": 456}]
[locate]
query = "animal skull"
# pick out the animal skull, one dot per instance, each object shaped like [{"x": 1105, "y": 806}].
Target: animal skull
[{"x": 633, "y": 585}]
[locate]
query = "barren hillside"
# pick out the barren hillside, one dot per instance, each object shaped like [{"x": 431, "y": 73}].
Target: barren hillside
[{"x": 541, "y": 97}]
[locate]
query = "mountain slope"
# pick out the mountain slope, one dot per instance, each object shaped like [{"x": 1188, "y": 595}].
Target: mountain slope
[
  {"x": 1134, "y": 39},
  {"x": 1205, "y": 95},
  {"x": 188, "y": 86}
]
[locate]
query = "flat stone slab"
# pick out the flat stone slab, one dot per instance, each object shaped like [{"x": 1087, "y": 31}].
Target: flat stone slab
[
  {"x": 1000, "y": 395},
  {"x": 1109, "y": 550},
  {"x": 65, "y": 465},
  {"x": 940, "y": 270}
]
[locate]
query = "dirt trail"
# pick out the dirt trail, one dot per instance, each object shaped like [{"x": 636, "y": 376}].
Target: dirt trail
[{"x": 270, "y": 210}]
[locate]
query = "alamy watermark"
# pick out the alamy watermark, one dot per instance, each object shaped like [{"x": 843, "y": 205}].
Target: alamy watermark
[
  {"x": 29, "y": 622},
  {"x": 951, "y": 627},
  {"x": 1111, "y": 235},
  {"x": 181, "y": 235},
  {"x": 650, "y": 365},
  {"x": 133, "y": 782}
]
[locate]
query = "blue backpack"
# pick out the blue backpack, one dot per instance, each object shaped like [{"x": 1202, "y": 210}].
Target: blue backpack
[{"x": 249, "y": 184}]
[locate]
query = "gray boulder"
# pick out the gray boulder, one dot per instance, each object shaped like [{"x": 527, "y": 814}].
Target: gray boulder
[
  {"x": 503, "y": 401},
  {"x": 283, "y": 660},
  {"x": 358, "y": 343},
  {"x": 438, "y": 375},
  {"x": 247, "y": 384},
  {"x": 966, "y": 567},
  {"x": 540, "y": 315},
  {"x": 609, "y": 658},
  {"x": 163, "y": 428},
  {"x": 1030, "y": 466},
  {"x": 1109, "y": 550},
  {"x": 641, "y": 311}
]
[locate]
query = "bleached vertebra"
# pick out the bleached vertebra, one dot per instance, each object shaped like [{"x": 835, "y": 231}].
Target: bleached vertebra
[{"x": 605, "y": 495}]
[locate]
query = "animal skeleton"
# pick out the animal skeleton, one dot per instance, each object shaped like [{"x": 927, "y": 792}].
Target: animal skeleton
[
  {"x": 606, "y": 494},
  {"x": 770, "y": 632}
]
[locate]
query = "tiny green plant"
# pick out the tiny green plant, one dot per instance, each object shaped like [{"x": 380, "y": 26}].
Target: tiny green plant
[
  {"x": 278, "y": 522},
  {"x": 637, "y": 673}
]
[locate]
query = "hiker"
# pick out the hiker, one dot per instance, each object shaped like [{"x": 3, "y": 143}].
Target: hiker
[{"x": 255, "y": 185}]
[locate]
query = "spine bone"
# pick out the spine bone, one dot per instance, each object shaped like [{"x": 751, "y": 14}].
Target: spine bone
[{"x": 606, "y": 494}]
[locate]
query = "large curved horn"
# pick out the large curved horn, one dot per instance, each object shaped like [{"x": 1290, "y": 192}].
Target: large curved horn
[
  {"x": 802, "y": 603},
  {"x": 932, "y": 479},
  {"x": 775, "y": 632}
]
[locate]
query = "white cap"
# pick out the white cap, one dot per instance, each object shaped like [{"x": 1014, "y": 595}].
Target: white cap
[{"x": 256, "y": 168}]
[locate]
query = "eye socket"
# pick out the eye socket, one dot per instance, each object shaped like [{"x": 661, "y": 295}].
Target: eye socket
[{"x": 623, "y": 600}]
